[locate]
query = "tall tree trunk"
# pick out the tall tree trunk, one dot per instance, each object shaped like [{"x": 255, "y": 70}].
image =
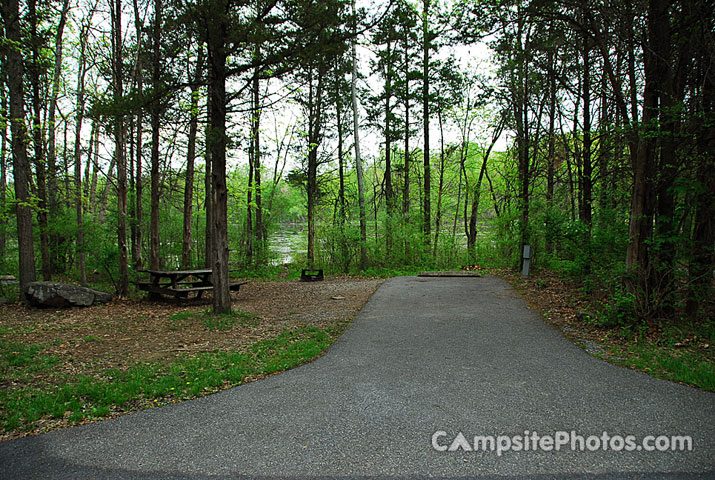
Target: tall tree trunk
[
  {"x": 88, "y": 168},
  {"x": 643, "y": 197},
  {"x": 154, "y": 260},
  {"x": 550, "y": 172},
  {"x": 358, "y": 158},
  {"x": 702, "y": 253},
  {"x": 587, "y": 167},
  {"x": 186, "y": 261},
  {"x": 55, "y": 239},
  {"x": 137, "y": 256},
  {"x": 3, "y": 164},
  {"x": 440, "y": 188},
  {"x": 35, "y": 74},
  {"x": 670, "y": 93},
  {"x": 21, "y": 166},
  {"x": 249, "y": 203},
  {"x": 217, "y": 141},
  {"x": 388, "y": 150},
  {"x": 406, "y": 75},
  {"x": 341, "y": 185},
  {"x": 427, "y": 208},
  {"x": 123, "y": 282},
  {"x": 472, "y": 231},
  {"x": 208, "y": 190},
  {"x": 315, "y": 123},
  {"x": 259, "y": 245},
  {"x": 79, "y": 119}
]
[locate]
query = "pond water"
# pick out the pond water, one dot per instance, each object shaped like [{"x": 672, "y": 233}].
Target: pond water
[{"x": 288, "y": 242}]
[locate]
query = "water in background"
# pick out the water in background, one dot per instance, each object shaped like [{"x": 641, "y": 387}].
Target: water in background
[{"x": 288, "y": 242}]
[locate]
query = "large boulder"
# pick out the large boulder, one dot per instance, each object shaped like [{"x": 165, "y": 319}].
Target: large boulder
[{"x": 58, "y": 295}]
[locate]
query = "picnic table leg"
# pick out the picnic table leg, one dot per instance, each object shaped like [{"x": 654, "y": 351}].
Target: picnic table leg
[{"x": 155, "y": 281}]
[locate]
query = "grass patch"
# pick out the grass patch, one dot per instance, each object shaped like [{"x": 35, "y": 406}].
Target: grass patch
[
  {"x": 692, "y": 367},
  {"x": 79, "y": 398},
  {"x": 226, "y": 321}
]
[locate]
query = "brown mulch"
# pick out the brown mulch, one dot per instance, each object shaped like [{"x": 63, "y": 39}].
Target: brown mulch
[{"x": 125, "y": 331}]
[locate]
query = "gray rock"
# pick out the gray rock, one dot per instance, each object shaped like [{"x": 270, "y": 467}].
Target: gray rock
[{"x": 58, "y": 295}]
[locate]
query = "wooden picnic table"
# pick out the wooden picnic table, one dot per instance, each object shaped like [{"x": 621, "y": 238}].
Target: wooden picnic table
[{"x": 180, "y": 283}]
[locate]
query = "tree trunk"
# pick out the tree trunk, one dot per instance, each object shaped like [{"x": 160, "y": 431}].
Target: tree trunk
[
  {"x": 208, "y": 190},
  {"x": 154, "y": 259},
  {"x": 3, "y": 165},
  {"x": 21, "y": 167},
  {"x": 79, "y": 118},
  {"x": 550, "y": 172},
  {"x": 123, "y": 282},
  {"x": 315, "y": 121},
  {"x": 427, "y": 208},
  {"x": 259, "y": 244},
  {"x": 472, "y": 231},
  {"x": 341, "y": 186},
  {"x": 35, "y": 74},
  {"x": 55, "y": 239},
  {"x": 358, "y": 158},
  {"x": 440, "y": 188},
  {"x": 388, "y": 150},
  {"x": 186, "y": 261},
  {"x": 587, "y": 168},
  {"x": 137, "y": 256},
  {"x": 217, "y": 141},
  {"x": 406, "y": 76}
]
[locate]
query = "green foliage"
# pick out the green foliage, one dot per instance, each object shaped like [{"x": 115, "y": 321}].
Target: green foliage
[
  {"x": 145, "y": 383},
  {"x": 692, "y": 367}
]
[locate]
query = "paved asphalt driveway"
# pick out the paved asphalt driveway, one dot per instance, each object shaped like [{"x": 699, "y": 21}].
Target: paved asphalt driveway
[{"x": 424, "y": 355}]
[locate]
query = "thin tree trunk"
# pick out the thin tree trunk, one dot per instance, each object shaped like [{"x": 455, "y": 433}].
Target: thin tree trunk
[
  {"x": 55, "y": 239},
  {"x": 79, "y": 119},
  {"x": 3, "y": 165},
  {"x": 154, "y": 260},
  {"x": 341, "y": 189},
  {"x": 358, "y": 158},
  {"x": 406, "y": 76},
  {"x": 123, "y": 282},
  {"x": 88, "y": 168},
  {"x": 472, "y": 231},
  {"x": 186, "y": 261},
  {"x": 208, "y": 191},
  {"x": 550, "y": 172},
  {"x": 587, "y": 167},
  {"x": 260, "y": 227},
  {"x": 427, "y": 208},
  {"x": 438, "y": 214},
  {"x": 137, "y": 256},
  {"x": 388, "y": 151}
]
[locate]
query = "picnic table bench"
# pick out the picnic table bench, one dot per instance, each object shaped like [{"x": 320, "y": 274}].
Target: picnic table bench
[{"x": 180, "y": 283}]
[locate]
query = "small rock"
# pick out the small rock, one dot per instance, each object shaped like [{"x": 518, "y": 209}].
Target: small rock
[{"x": 337, "y": 297}]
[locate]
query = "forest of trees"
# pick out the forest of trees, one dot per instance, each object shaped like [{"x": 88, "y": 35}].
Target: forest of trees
[{"x": 168, "y": 134}]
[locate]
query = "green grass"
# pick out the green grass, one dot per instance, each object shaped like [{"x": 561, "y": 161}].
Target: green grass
[
  {"x": 78, "y": 398},
  {"x": 692, "y": 367}
]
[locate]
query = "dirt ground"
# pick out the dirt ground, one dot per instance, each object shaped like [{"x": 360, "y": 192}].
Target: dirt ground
[{"x": 123, "y": 332}]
